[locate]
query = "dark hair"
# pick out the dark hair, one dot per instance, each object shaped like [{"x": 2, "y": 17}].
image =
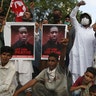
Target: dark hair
[
  {"x": 67, "y": 16},
  {"x": 54, "y": 55},
  {"x": 84, "y": 15},
  {"x": 91, "y": 70},
  {"x": 92, "y": 88},
  {"x": 31, "y": 15},
  {"x": 30, "y": 19},
  {"x": 57, "y": 9},
  {"x": 7, "y": 49},
  {"x": 56, "y": 16}
]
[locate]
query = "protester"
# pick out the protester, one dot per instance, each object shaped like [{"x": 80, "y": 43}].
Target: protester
[
  {"x": 83, "y": 83},
  {"x": 92, "y": 90},
  {"x": 81, "y": 54},
  {"x": 54, "y": 77},
  {"x": 57, "y": 16},
  {"x": 7, "y": 72},
  {"x": 25, "y": 67},
  {"x": 67, "y": 21}
]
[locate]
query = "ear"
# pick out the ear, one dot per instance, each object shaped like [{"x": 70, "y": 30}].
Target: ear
[{"x": 10, "y": 57}]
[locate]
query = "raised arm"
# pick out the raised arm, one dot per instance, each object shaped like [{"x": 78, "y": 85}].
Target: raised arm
[{"x": 74, "y": 13}]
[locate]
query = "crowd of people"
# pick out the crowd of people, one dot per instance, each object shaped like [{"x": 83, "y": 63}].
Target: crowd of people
[{"x": 72, "y": 72}]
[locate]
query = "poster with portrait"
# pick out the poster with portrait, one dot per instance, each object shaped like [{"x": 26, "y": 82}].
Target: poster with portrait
[
  {"x": 52, "y": 34},
  {"x": 20, "y": 36}
]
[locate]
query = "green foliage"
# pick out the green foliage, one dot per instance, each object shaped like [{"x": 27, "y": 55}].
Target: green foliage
[
  {"x": 5, "y": 5},
  {"x": 43, "y": 8},
  {"x": 46, "y": 7}
]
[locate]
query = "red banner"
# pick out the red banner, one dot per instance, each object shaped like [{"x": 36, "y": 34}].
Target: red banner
[{"x": 18, "y": 7}]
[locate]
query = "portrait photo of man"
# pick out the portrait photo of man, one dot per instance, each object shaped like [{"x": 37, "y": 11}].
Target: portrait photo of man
[
  {"x": 22, "y": 40},
  {"x": 52, "y": 35}
]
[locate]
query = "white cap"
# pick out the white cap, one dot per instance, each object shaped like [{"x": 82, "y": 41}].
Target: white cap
[{"x": 22, "y": 29}]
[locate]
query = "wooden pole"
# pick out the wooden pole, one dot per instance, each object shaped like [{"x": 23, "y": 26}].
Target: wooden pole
[
  {"x": 5, "y": 19},
  {"x": 2, "y": 3}
]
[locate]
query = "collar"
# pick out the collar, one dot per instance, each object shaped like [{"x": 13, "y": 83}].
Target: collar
[
  {"x": 36, "y": 33},
  {"x": 5, "y": 67}
]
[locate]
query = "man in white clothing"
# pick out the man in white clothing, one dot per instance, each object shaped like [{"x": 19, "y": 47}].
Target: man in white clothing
[
  {"x": 7, "y": 72},
  {"x": 81, "y": 54}
]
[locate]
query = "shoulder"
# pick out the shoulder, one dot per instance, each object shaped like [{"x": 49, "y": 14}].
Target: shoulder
[
  {"x": 78, "y": 81},
  {"x": 12, "y": 65},
  {"x": 41, "y": 75}
]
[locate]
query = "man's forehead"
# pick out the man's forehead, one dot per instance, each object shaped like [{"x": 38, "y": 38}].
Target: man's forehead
[
  {"x": 22, "y": 29},
  {"x": 53, "y": 29}
]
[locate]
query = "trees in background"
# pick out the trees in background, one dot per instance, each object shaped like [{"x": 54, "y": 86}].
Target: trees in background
[{"x": 43, "y": 8}]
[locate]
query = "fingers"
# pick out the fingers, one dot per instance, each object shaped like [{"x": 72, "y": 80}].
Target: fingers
[
  {"x": 94, "y": 27},
  {"x": 64, "y": 41},
  {"x": 81, "y": 3},
  {"x": 32, "y": 5}
]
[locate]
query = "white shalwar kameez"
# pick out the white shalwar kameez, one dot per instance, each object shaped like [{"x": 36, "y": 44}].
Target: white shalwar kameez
[
  {"x": 24, "y": 69},
  {"x": 81, "y": 54}
]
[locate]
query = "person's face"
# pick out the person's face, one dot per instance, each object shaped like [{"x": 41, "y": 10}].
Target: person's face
[
  {"x": 27, "y": 16},
  {"x": 92, "y": 93},
  {"x": 67, "y": 21},
  {"x": 88, "y": 77},
  {"x": 23, "y": 36},
  {"x": 5, "y": 57},
  {"x": 53, "y": 33},
  {"x": 57, "y": 14},
  {"x": 52, "y": 63}
]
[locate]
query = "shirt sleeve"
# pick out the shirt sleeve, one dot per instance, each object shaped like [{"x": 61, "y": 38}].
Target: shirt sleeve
[
  {"x": 78, "y": 82},
  {"x": 9, "y": 79},
  {"x": 73, "y": 16},
  {"x": 41, "y": 76}
]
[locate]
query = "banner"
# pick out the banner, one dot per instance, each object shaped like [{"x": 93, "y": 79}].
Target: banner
[
  {"x": 51, "y": 36},
  {"x": 18, "y": 7},
  {"x": 20, "y": 35}
]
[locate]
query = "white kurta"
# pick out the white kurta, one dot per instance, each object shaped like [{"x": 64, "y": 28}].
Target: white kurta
[
  {"x": 25, "y": 70},
  {"x": 81, "y": 54},
  {"x": 7, "y": 79}
]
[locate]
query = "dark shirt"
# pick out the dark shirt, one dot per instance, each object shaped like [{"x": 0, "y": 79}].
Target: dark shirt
[
  {"x": 23, "y": 48},
  {"x": 50, "y": 47}
]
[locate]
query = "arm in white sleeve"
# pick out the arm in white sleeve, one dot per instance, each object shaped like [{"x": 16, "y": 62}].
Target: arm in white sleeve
[{"x": 73, "y": 16}]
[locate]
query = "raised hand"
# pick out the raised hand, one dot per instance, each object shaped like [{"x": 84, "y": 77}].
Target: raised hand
[
  {"x": 81, "y": 3},
  {"x": 94, "y": 27}
]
